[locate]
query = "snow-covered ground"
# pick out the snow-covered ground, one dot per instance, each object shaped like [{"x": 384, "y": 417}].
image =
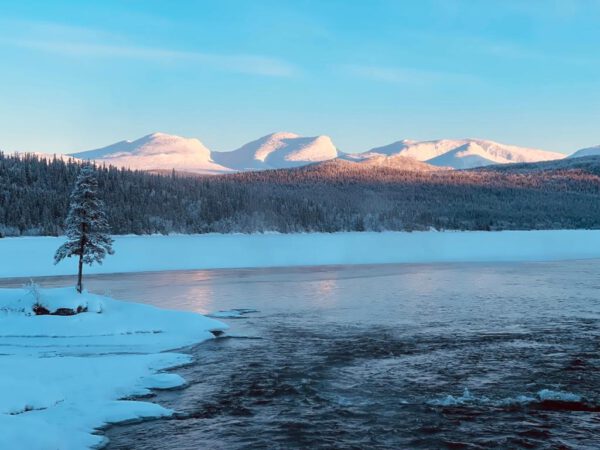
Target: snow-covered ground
[
  {"x": 33, "y": 256},
  {"x": 62, "y": 377}
]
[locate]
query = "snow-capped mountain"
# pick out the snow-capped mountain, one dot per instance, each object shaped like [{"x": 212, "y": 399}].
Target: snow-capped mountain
[
  {"x": 463, "y": 153},
  {"x": 466, "y": 156},
  {"x": 157, "y": 151},
  {"x": 278, "y": 151},
  {"x": 419, "y": 150},
  {"x": 589, "y": 151},
  {"x": 160, "y": 151}
]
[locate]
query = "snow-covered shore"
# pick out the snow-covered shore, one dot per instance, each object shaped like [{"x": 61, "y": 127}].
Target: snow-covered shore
[
  {"x": 62, "y": 377},
  {"x": 33, "y": 256}
]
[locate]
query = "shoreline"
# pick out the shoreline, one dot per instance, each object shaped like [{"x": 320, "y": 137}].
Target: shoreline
[
  {"x": 99, "y": 364},
  {"x": 18, "y": 282},
  {"x": 33, "y": 256}
]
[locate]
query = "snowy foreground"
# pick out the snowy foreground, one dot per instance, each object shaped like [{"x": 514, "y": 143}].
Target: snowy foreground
[
  {"x": 62, "y": 377},
  {"x": 33, "y": 256}
]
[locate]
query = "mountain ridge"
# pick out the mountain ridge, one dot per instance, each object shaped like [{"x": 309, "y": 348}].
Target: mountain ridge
[
  {"x": 278, "y": 151},
  {"x": 157, "y": 151},
  {"x": 281, "y": 150},
  {"x": 588, "y": 151},
  {"x": 464, "y": 153}
]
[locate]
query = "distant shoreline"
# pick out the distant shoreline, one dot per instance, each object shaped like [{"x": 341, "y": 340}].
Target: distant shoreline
[{"x": 32, "y": 256}]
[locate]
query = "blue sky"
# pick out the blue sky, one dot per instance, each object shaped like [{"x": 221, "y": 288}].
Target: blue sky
[{"x": 76, "y": 75}]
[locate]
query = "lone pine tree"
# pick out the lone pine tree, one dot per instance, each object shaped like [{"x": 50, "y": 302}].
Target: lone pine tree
[{"x": 86, "y": 226}]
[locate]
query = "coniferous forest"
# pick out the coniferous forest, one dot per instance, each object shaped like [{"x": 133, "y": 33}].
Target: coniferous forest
[{"x": 327, "y": 197}]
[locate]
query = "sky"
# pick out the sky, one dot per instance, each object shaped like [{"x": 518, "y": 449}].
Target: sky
[{"x": 77, "y": 75}]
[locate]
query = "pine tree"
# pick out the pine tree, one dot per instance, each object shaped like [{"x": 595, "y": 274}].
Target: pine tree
[{"x": 86, "y": 225}]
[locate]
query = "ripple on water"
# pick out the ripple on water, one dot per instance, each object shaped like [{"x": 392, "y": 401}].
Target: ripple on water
[{"x": 388, "y": 365}]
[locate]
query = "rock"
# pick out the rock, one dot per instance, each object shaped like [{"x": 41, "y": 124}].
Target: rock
[
  {"x": 40, "y": 310},
  {"x": 69, "y": 311},
  {"x": 63, "y": 312}
]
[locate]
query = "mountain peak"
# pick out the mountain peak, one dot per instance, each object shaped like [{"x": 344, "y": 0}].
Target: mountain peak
[
  {"x": 588, "y": 151},
  {"x": 156, "y": 134},
  {"x": 463, "y": 153},
  {"x": 157, "y": 151},
  {"x": 159, "y": 136},
  {"x": 284, "y": 149},
  {"x": 278, "y": 150},
  {"x": 282, "y": 135}
]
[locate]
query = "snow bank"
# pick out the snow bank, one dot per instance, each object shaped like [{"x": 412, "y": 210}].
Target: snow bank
[
  {"x": 33, "y": 256},
  {"x": 62, "y": 377}
]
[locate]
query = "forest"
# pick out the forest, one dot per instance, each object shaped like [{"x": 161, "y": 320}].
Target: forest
[{"x": 328, "y": 197}]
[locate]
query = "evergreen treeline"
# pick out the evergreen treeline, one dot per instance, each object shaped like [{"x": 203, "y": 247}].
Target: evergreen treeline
[{"x": 334, "y": 196}]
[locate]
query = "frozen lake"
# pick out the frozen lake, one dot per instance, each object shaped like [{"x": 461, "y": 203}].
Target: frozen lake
[{"x": 502, "y": 355}]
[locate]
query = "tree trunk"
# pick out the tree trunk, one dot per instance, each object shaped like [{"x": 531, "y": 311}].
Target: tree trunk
[
  {"x": 80, "y": 275},
  {"x": 81, "y": 249}
]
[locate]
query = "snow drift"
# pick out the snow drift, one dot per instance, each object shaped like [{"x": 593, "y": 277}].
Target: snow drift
[{"x": 62, "y": 377}]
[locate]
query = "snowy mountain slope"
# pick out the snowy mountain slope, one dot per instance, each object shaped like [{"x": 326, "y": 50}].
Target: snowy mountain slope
[
  {"x": 589, "y": 151},
  {"x": 504, "y": 153},
  {"x": 466, "y": 156},
  {"x": 463, "y": 153},
  {"x": 277, "y": 151},
  {"x": 252, "y": 156},
  {"x": 162, "y": 152},
  {"x": 419, "y": 150},
  {"x": 157, "y": 151},
  {"x": 398, "y": 162},
  {"x": 582, "y": 165}
]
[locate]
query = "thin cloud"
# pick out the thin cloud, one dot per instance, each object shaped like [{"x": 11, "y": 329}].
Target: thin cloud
[
  {"x": 86, "y": 43},
  {"x": 474, "y": 45},
  {"x": 516, "y": 52},
  {"x": 403, "y": 75},
  {"x": 250, "y": 64}
]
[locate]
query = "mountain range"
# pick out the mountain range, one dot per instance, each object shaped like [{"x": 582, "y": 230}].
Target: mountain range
[{"x": 282, "y": 150}]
